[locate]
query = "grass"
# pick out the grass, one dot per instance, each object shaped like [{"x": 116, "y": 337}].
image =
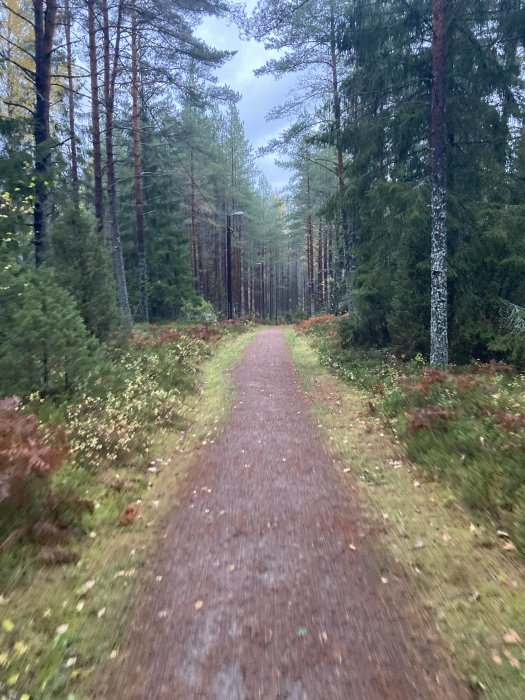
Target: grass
[
  {"x": 469, "y": 588},
  {"x": 60, "y": 626}
]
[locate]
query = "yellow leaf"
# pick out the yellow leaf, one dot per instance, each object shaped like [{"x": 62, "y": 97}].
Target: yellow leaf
[
  {"x": 13, "y": 680},
  {"x": 25, "y": 696},
  {"x": 20, "y": 648},
  {"x": 7, "y": 626},
  {"x": 198, "y": 605},
  {"x": 511, "y": 637},
  {"x": 3, "y": 658}
]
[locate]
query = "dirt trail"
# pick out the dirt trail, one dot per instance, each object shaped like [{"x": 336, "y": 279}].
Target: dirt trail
[{"x": 261, "y": 597}]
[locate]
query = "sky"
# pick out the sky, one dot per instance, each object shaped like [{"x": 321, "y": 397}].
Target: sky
[{"x": 259, "y": 95}]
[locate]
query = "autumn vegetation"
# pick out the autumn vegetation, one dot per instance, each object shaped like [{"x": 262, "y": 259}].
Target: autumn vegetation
[{"x": 464, "y": 426}]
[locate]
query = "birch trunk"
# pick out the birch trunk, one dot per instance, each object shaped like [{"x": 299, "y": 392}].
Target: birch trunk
[{"x": 438, "y": 259}]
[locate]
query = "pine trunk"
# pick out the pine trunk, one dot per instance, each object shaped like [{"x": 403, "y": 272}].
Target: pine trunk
[
  {"x": 45, "y": 25},
  {"x": 68, "y": 21},
  {"x": 110, "y": 75},
  {"x": 95, "y": 118},
  {"x": 143, "y": 313},
  {"x": 438, "y": 261}
]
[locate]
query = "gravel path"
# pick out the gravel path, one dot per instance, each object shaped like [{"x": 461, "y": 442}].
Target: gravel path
[{"x": 256, "y": 593}]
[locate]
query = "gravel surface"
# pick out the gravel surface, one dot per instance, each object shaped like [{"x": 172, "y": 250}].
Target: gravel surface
[{"x": 269, "y": 583}]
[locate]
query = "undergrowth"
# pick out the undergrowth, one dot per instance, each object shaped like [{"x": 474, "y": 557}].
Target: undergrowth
[
  {"x": 464, "y": 426},
  {"x": 124, "y": 441}
]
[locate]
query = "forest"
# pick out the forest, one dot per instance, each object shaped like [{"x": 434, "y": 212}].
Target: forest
[
  {"x": 138, "y": 232},
  {"x": 122, "y": 159}
]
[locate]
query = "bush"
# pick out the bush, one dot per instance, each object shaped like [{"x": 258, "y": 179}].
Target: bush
[
  {"x": 27, "y": 464},
  {"x": 44, "y": 344},
  {"x": 116, "y": 419},
  {"x": 198, "y": 310},
  {"x": 81, "y": 266}
]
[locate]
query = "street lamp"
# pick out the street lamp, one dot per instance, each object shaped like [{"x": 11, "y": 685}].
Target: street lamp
[{"x": 229, "y": 231}]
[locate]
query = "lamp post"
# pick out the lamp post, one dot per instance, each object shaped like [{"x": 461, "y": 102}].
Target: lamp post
[{"x": 229, "y": 231}]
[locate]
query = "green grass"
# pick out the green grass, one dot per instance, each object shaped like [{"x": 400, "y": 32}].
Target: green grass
[
  {"x": 40, "y": 657},
  {"x": 467, "y": 586}
]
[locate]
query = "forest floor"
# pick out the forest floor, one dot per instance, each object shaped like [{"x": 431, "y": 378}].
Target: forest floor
[
  {"x": 270, "y": 580},
  {"x": 285, "y": 550}
]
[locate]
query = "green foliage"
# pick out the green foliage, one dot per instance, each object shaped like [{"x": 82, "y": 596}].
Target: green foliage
[
  {"x": 117, "y": 416},
  {"x": 44, "y": 344},
  {"x": 82, "y": 266},
  {"x": 198, "y": 310},
  {"x": 465, "y": 427}
]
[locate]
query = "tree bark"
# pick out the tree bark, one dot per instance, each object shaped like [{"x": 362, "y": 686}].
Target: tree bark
[
  {"x": 143, "y": 313},
  {"x": 68, "y": 20},
  {"x": 45, "y": 25},
  {"x": 110, "y": 76},
  {"x": 438, "y": 260},
  {"x": 95, "y": 118}
]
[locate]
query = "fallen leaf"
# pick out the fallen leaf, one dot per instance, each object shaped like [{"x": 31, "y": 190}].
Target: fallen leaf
[
  {"x": 417, "y": 484},
  {"x": 113, "y": 654},
  {"x": 62, "y": 629},
  {"x": 496, "y": 658},
  {"x": 13, "y": 680},
  {"x": 198, "y": 604},
  {"x": 25, "y": 696},
  {"x": 80, "y": 606},
  {"x": 8, "y": 626},
  {"x": 86, "y": 587},
  {"x": 352, "y": 547},
  {"x": 3, "y": 658},
  {"x": 509, "y": 546},
  {"x": 231, "y": 567},
  {"x": 130, "y": 514},
  {"x": 101, "y": 613},
  {"x": 20, "y": 648},
  {"x": 446, "y": 537},
  {"x": 511, "y": 637},
  {"x": 513, "y": 661},
  {"x": 419, "y": 544},
  {"x": 502, "y": 533},
  {"x": 71, "y": 661},
  {"x": 384, "y": 579}
]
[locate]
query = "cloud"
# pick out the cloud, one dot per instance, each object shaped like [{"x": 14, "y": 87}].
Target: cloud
[{"x": 259, "y": 95}]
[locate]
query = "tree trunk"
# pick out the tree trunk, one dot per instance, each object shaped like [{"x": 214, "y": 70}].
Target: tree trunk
[
  {"x": 68, "y": 21},
  {"x": 438, "y": 260},
  {"x": 348, "y": 236},
  {"x": 143, "y": 314},
  {"x": 110, "y": 76},
  {"x": 95, "y": 118},
  {"x": 45, "y": 25},
  {"x": 310, "y": 249}
]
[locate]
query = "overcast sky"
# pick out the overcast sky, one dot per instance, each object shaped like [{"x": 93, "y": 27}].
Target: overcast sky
[{"x": 259, "y": 95}]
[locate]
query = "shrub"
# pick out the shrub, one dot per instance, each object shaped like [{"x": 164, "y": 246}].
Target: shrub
[
  {"x": 44, "y": 344},
  {"x": 116, "y": 419},
  {"x": 81, "y": 266},
  {"x": 198, "y": 310},
  {"x": 27, "y": 463}
]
